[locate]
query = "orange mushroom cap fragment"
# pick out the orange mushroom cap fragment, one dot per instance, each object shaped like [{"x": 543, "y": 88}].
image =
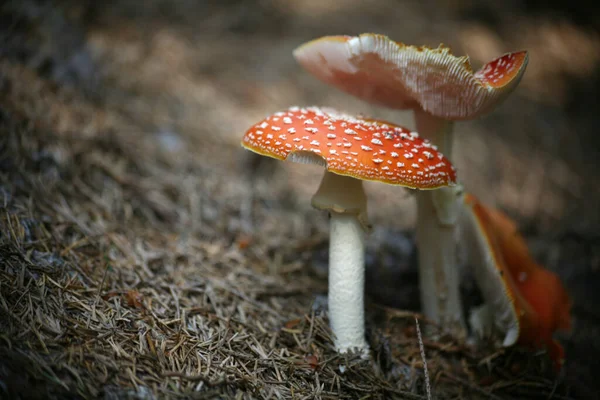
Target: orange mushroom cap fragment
[
  {"x": 360, "y": 148},
  {"x": 381, "y": 71},
  {"x": 539, "y": 299}
]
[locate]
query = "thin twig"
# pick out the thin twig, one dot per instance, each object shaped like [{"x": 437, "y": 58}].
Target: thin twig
[{"x": 425, "y": 371}]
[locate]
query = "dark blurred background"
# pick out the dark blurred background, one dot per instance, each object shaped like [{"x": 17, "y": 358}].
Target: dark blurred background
[
  {"x": 198, "y": 73},
  {"x": 536, "y": 156}
]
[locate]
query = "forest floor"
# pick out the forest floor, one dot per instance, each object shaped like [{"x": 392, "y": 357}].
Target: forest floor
[{"x": 145, "y": 254}]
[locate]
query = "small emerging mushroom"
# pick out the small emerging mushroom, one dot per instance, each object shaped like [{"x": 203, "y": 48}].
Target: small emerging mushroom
[
  {"x": 351, "y": 150},
  {"x": 524, "y": 302},
  {"x": 439, "y": 87}
]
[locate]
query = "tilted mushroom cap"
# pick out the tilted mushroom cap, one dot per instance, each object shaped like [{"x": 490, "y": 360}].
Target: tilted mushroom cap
[
  {"x": 381, "y": 71},
  {"x": 541, "y": 288},
  {"x": 538, "y": 300},
  {"x": 360, "y": 148}
]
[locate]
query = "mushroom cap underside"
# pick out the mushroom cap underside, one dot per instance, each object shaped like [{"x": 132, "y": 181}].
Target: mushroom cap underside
[
  {"x": 381, "y": 71},
  {"x": 361, "y": 148},
  {"x": 535, "y": 282},
  {"x": 491, "y": 274}
]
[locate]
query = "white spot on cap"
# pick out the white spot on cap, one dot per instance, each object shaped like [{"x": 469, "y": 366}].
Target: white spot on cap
[{"x": 522, "y": 276}]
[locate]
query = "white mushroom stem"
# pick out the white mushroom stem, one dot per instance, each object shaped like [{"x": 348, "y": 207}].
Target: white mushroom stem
[
  {"x": 345, "y": 199},
  {"x": 437, "y": 130},
  {"x": 346, "y": 282},
  {"x": 438, "y": 210}
]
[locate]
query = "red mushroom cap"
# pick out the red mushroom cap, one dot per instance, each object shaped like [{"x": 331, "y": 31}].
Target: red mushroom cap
[
  {"x": 361, "y": 148},
  {"x": 381, "y": 71}
]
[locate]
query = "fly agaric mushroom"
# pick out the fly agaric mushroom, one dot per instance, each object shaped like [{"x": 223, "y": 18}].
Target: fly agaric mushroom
[
  {"x": 440, "y": 88},
  {"x": 523, "y": 301},
  {"x": 351, "y": 150}
]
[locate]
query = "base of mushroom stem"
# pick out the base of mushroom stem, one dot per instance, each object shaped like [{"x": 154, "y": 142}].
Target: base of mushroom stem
[
  {"x": 483, "y": 324},
  {"x": 363, "y": 352}
]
